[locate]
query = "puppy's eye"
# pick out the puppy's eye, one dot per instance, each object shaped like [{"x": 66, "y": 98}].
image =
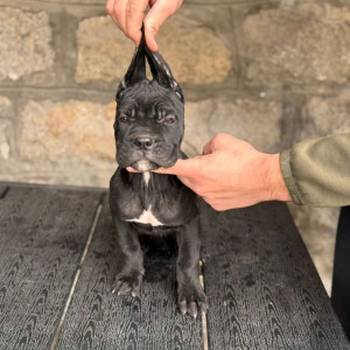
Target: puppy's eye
[
  {"x": 123, "y": 118},
  {"x": 170, "y": 119}
]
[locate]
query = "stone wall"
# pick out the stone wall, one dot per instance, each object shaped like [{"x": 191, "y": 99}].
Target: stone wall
[{"x": 271, "y": 72}]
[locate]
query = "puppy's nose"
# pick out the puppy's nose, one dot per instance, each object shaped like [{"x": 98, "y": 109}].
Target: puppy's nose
[{"x": 144, "y": 142}]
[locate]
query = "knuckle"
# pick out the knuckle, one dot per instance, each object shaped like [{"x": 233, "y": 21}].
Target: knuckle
[
  {"x": 222, "y": 136},
  {"x": 133, "y": 11},
  {"x": 151, "y": 26},
  {"x": 221, "y": 139},
  {"x": 216, "y": 140},
  {"x": 131, "y": 7},
  {"x": 170, "y": 7}
]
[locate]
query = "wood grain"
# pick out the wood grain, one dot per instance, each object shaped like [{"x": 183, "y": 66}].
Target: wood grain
[
  {"x": 42, "y": 234},
  {"x": 97, "y": 319},
  {"x": 263, "y": 290}
]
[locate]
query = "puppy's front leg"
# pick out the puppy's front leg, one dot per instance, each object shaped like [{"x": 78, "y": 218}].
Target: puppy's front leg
[
  {"x": 190, "y": 294},
  {"x": 129, "y": 279}
]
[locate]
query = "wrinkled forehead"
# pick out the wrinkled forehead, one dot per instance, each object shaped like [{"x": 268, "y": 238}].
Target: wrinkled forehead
[{"x": 148, "y": 95}]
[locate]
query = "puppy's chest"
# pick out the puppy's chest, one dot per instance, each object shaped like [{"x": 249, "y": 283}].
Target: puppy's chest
[
  {"x": 147, "y": 217},
  {"x": 155, "y": 208}
]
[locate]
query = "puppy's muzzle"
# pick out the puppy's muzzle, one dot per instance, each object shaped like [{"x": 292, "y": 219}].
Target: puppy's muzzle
[
  {"x": 145, "y": 142},
  {"x": 144, "y": 165}
]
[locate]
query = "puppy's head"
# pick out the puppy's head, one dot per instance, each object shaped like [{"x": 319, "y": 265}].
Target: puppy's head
[{"x": 149, "y": 121}]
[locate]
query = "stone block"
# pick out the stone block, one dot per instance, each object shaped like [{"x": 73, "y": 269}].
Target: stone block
[
  {"x": 104, "y": 53},
  {"x": 71, "y": 130},
  {"x": 24, "y": 43},
  {"x": 303, "y": 43},
  {"x": 5, "y": 107},
  {"x": 326, "y": 115},
  {"x": 196, "y": 54},
  {"x": 254, "y": 120}
]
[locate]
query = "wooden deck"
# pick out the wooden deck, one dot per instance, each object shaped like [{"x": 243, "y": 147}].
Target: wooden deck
[{"x": 58, "y": 258}]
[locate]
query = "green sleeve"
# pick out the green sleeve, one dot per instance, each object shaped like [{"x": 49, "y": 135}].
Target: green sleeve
[{"x": 317, "y": 171}]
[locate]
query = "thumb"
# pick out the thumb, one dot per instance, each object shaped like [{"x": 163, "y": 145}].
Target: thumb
[
  {"x": 155, "y": 17},
  {"x": 183, "y": 167}
]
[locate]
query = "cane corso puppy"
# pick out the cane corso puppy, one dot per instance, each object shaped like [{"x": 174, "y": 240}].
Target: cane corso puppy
[{"x": 149, "y": 127}]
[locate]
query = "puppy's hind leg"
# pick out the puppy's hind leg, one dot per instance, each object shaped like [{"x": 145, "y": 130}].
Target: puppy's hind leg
[{"x": 129, "y": 279}]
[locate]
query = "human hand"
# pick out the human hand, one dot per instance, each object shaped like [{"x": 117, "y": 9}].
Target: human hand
[
  {"x": 130, "y": 14},
  {"x": 231, "y": 173}
]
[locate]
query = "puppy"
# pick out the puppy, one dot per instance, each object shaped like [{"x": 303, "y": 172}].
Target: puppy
[{"x": 149, "y": 128}]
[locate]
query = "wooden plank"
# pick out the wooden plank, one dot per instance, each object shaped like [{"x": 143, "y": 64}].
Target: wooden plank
[
  {"x": 97, "y": 319},
  {"x": 42, "y": 234},
  {"x": 263, "y": 290}
]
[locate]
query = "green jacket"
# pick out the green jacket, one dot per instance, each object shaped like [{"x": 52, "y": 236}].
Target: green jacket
[{"x": 317, "y": 171}]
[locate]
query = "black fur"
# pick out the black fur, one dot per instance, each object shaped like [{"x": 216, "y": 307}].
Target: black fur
[{"x": 148, "y": 130}]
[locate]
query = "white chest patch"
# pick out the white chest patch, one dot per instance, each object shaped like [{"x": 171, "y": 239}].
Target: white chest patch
[
  {"x": 147, "y": 217},
  {"x": 146, "y": 177}
]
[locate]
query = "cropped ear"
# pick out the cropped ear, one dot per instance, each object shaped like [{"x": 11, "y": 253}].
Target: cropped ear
[
  {"x": 136, "y": 71},
  {"x": 159, "y": 68},
  {"x": 161, "y": 72}
]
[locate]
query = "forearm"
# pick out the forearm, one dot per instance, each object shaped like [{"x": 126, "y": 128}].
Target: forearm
[{"x": 317, "y": 171}]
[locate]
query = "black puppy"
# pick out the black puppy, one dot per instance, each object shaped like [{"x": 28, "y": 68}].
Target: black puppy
[{"x": 149, "y": 128}]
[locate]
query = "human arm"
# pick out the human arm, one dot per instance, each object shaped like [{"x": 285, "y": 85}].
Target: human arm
[
  {"x": 317, "y": 171},
  {"x": 231, "y": 173}
]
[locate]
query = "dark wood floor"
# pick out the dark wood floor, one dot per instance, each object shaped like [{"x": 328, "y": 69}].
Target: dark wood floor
[{"x": 58, "y": 258}]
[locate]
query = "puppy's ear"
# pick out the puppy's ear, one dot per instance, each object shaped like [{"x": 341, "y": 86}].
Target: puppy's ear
[
  {"x": 161, "y": 72},
  {"x": 136, "y": 71}
]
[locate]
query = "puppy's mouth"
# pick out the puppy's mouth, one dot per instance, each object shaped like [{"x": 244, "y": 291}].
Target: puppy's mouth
[
  {"x": 144, "y": 165},
  {"x": 143, "y": 161}
]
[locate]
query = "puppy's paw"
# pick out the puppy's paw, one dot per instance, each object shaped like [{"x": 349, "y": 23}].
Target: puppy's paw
[
  {"x": 128, "y": 283},
  {"x": 191, "y": 299}
]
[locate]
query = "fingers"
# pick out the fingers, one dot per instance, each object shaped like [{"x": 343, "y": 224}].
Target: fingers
[
  {"x": 117, "y": 10},
  {"x": 183, "y": 167},
  {"x": 173, "y": 171},
  {"x": 159, "y": 12},
  {"x": 128, "y": 15},
  {"x": 135, "y": 12}
]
